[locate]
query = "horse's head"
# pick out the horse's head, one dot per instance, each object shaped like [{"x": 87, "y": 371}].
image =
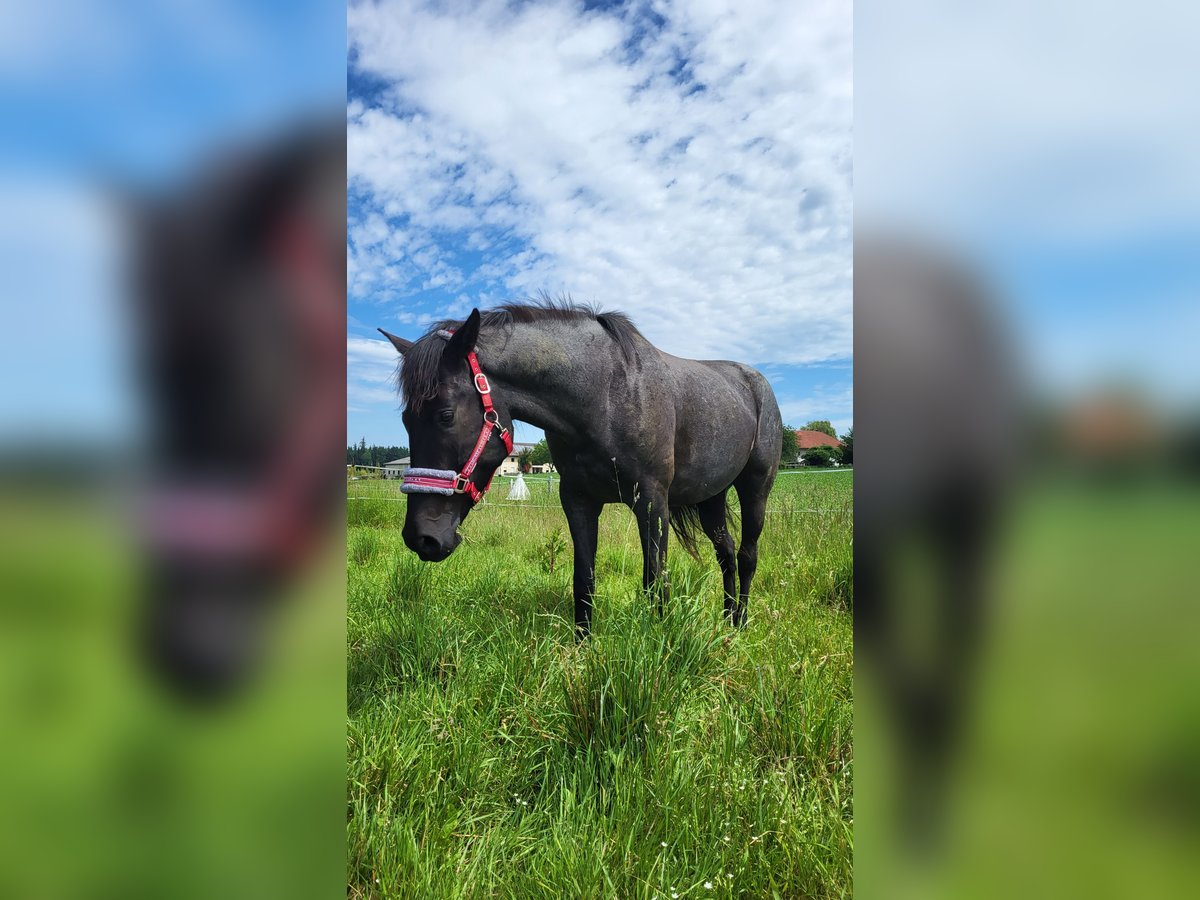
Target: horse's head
[{"x": 444, "y": 418}]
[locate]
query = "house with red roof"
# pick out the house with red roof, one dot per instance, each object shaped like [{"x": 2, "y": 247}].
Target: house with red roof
[{"x": 806, "y": 440}]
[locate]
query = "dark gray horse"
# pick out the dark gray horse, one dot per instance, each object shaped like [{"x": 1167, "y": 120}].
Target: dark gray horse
[
  {"x": 239, "y": 276},
  {"x": 938, "y": 416},
  {"x": 625, "y": 423}
]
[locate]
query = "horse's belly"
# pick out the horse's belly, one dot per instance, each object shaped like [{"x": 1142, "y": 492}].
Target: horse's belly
[{"x": 705, "y": 478}]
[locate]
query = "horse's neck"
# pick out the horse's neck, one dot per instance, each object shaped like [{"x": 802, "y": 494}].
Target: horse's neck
[{"x": 539, "y": 375}]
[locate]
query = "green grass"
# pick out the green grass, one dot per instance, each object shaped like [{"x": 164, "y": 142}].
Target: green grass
[
  {"x": 491, "y": 756},
  {"x": 1077, "y": 772},
  {"x": 111, "y": 787}
]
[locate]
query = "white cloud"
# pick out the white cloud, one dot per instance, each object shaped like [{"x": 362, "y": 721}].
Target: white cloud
[
  {"x": 1060, "y": 122},
  {"x": 719, "y": 218},
  {"x": 833, "y": 403},
  {"x": 371, "y": 370}
]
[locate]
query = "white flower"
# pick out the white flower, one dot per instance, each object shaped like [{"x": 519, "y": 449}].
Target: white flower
[
  {"x": 708, "y": 885},
  {"x": 664, "y": 843}
]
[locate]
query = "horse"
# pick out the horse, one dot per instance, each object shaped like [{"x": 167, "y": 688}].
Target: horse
[
  {"x": 238, "y": 282},
  {"x": 625, "y": 423},
  {"x": 938, "y": 409}
]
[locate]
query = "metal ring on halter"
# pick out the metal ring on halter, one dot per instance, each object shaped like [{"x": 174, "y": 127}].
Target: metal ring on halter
[{"x": 494, "y": 421}]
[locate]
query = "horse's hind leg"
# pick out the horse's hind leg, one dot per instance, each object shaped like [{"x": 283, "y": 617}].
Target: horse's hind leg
[
  {"x": 713, "y": 521},
  {"x": 752, "y": 492}
]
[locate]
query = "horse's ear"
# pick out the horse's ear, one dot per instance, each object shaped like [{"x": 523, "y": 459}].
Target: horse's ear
[
  {"x": 398, "y": 342},
  {"x": 465, "y": 336}
]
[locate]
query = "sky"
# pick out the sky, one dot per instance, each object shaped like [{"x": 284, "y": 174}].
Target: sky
[
  {"x": 1060, "y": 159},
  {"x": 688, "y": 164},
  {"x": 100, "y": 102},
  {"x": 690, "y": 167}
]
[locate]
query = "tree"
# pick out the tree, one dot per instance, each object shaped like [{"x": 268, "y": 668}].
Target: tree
[
  {"x": 539, "y": 453},
  {"x": 847, "y": 453},
  {"x": 822, "y": 425},
  {"x": 790, "y": 450},
  {"x": 819, "y": 456},
  {"x": 523, "y": 459}
]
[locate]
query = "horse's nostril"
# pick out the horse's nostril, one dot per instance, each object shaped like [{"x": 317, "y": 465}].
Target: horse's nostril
[{"x": 426, "y": 546}]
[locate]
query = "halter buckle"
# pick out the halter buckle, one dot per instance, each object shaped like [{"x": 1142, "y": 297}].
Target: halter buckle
[
  {"x": 460, "y": 484},
  {"x": 481, "y": 384}
]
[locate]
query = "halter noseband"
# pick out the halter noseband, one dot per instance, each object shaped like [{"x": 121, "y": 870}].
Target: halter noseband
[{"x": 447, "y": 481}]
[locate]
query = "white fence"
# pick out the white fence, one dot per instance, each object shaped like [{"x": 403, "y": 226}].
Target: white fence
[{"x": 369, "y": 483}]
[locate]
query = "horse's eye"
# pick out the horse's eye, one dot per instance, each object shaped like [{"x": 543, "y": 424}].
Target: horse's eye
[{"x": 446, "y": 416}]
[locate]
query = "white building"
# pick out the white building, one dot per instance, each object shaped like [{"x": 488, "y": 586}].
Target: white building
[
  {"x": 511, "y": 464},
  {"x": 397, "y": 467}
]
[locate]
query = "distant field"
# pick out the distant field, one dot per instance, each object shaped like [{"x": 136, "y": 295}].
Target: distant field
[{"x": 489, "y": 755}]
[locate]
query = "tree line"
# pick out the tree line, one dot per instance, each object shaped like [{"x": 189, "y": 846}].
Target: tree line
[{"x": 362, "y": 455}]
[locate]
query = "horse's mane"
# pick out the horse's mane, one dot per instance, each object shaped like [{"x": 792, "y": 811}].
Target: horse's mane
[{"x": 420, "y": 367}]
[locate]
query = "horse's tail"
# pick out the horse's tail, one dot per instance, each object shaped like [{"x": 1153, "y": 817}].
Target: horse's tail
[{"x": 685, "y": 522}]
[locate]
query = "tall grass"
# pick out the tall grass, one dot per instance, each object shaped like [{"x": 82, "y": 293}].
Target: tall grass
[{"x": 491, "y": 755}]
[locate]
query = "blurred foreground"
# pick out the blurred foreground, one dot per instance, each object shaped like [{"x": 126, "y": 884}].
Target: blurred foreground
[
  {"x": 1027, "y": 721},
  {"x": 111, "y": 787},
  {"x": 1026, "y": 399},
  {"x": 172, "y": 264}
]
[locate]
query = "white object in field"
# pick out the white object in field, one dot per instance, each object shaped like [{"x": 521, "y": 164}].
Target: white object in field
[{"x": 519, "y": 490}]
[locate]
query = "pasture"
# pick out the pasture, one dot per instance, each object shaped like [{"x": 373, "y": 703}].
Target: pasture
[{"x": 489, "y": 755}]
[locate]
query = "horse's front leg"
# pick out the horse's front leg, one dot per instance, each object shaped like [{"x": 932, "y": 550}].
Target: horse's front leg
[
  {"x": 583, "y": 519},
  {"x": 653, "y": 518}
]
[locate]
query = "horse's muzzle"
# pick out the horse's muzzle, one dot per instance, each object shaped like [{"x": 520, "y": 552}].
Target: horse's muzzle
[{"x": 431, "y": 548}]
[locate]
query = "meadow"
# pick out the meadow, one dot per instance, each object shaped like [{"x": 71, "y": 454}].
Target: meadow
[{"x": 490, "y": 755}]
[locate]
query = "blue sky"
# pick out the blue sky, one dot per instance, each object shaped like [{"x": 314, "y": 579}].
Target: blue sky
[
  {"x": 1061, "y": 159},
  {"x": 139, "y": 90},
  {"x": 690, "y": 166},
  {"x": 98, "y": 99}
]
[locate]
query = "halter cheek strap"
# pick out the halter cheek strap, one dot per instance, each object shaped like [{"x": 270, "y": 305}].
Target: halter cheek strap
[{"x": 447, "y": 481}]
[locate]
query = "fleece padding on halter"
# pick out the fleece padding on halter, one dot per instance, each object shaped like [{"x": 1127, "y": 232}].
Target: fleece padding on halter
[{"x": 429, "y": 481}]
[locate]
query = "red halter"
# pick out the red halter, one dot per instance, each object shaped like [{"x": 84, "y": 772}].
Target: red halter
[{"x": 431, "y": 481}]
